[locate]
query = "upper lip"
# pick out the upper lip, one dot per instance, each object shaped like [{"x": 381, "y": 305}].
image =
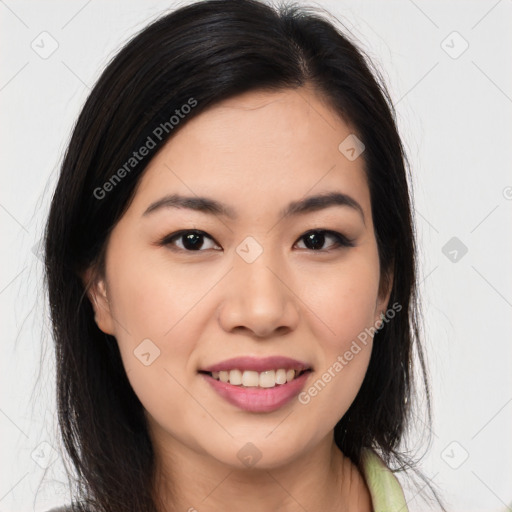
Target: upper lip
[{"x": 258, "y": 364}]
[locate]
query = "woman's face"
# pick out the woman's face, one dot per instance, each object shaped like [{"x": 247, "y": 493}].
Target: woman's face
[{"x": 252, "y": 284}]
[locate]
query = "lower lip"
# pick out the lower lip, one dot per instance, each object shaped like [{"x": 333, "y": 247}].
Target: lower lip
[{"x": 255, "y": 399}]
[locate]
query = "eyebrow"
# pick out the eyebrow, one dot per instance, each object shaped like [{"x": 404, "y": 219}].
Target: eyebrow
[{"x": 214, "y": 207}]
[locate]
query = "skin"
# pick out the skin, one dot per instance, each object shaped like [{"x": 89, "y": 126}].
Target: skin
[{"x": 255, "y": 152}]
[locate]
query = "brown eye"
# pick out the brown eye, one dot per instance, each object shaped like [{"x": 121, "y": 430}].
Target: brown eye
[
  {"x": 196, "y": 241},
  {"x": 315, "y": 240},
  {"x": 191, "y": 240}
]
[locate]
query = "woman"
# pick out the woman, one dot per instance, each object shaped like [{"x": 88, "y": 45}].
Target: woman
[{"x": 230, "y": 262}]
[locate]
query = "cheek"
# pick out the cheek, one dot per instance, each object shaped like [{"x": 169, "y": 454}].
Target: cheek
[
  {"x": 344, "y": 300},
  {"x": 344, "y": 297},
  {"x": 158, "y": 318},
  {"x": 346, "y": 308},
  {"x": 152, "y": 296},
  {"x": 156, "y": 340}
]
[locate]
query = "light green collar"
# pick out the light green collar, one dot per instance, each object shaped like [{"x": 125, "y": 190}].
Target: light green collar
[{"x": 385, "y": 490}]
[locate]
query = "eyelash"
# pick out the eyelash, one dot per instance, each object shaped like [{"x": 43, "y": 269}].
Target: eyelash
[{"x": 341, "y": 241}]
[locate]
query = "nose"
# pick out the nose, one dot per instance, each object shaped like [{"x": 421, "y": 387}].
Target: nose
[{"x": 259, "y": 299}]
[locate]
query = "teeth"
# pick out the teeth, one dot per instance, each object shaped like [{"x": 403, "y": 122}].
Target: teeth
[
  {"x": 249, "y": 378},
  {"x": 281, "y": 376}
]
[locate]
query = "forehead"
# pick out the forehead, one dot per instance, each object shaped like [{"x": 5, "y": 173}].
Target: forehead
[{"x": 258, "y": 146}]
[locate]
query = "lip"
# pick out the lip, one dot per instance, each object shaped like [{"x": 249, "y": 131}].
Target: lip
[
  {"x": 258, "y": 364},
  {"x": 255, "y": 399}
]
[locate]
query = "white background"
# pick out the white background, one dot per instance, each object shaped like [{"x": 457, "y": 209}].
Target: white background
[{"x": 454, "y": 115}]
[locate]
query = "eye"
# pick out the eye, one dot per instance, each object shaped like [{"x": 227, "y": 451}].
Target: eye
[
  {"x": 192, "y": 240},
  {"x": 315, "y": 239}
]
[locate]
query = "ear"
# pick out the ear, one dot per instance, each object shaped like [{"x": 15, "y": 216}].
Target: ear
[
  {"x": 385, "y": 287},
  {"x": 96, "y": 290}
]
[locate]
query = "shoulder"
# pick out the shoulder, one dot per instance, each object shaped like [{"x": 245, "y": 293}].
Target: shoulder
[{"x": 384, "y": 487}]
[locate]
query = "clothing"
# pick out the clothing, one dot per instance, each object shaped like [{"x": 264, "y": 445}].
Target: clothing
[{"x": 385, "y": 490}]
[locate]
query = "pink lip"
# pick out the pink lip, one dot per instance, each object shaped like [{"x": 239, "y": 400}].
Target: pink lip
[
  {"x": 258, "y": 364},
  {"x": 255, "y": 399}
]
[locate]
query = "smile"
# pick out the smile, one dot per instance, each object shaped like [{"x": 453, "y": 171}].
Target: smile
[
  {"x": 255, "y": 398},
  {"x": 250, "y": 378}
]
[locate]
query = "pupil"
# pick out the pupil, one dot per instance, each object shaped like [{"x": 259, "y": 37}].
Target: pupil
[
  {"x": 315, "y": 244},
  {"x": 192, "y": 241}
]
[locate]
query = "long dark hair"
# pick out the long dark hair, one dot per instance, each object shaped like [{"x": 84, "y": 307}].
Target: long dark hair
[{"x": 209, "y": 51}]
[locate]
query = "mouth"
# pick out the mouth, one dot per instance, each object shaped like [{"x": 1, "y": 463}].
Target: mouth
[
  {"x": 252, "y": 397},
  {"x": 254, "y": 372},
  {"x": 258, "y": 385},
  {"x": 253, "y": 379}
]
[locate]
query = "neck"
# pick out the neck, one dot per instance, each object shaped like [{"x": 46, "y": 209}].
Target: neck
[{"x": 321, "y": 478}]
